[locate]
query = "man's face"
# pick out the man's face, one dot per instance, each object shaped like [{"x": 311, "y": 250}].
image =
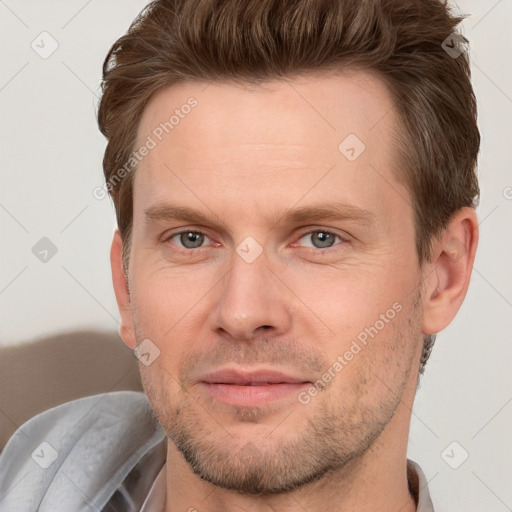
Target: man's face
[{"x": 266, "y": 258}]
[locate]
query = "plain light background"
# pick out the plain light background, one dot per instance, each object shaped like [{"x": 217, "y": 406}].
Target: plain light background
[{"x": 50, "y": 160}]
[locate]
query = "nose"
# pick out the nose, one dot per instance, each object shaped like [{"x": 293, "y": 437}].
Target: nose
[{"x": 251, "y": 302}]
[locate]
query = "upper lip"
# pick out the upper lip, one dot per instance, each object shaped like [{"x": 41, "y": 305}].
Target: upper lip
[{"x": 247, "y": 378}]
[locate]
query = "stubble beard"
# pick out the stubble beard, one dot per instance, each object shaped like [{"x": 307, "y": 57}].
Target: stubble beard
[{"x": 341, "y": 430}]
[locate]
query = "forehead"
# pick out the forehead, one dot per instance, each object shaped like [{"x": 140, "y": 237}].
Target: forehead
[
  {"x": 330, "y": 105},
  {"x": 271, "y": 141}
]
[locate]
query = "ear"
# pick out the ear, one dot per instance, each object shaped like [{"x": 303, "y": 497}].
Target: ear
[
  {"x": 447, "y": 276},
  {"x": 119, "y": 280}
]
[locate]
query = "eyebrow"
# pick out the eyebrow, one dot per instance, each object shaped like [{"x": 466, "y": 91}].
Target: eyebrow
[{"x": 328, "y": 211}]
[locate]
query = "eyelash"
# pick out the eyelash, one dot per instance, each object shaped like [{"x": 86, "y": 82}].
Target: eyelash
[{"x": 309, "y": 249}]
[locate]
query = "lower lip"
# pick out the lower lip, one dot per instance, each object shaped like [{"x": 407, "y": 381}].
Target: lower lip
[{"x": 253, "y": 396}]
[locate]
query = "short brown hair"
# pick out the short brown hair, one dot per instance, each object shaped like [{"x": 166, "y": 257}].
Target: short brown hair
[{"x": 403, "y": 41}]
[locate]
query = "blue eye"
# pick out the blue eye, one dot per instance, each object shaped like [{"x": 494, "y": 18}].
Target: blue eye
[
  {"x": 320, "y": 239},
  {"x": 189, "y": 239}
]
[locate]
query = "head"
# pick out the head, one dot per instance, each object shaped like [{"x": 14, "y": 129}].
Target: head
[{"x": 294, "y": 182}]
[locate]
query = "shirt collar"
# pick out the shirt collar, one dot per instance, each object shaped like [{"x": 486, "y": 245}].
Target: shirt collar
[{"x": 155, "y": 501}]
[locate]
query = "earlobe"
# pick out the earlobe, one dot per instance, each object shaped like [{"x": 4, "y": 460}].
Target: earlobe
[
  {"x": 120, "y": 282},
  {"x": 447, "y": 277}
]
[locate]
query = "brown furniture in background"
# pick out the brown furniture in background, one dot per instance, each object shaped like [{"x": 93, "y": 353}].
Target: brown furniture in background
[{"x": 41, "y": 374}]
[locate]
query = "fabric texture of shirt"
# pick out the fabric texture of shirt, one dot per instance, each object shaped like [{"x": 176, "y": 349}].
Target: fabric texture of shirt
[{"x": 104, "y": 453}]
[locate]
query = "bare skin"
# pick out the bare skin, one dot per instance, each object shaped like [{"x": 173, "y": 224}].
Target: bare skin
[{"x": 294, "y": 298}]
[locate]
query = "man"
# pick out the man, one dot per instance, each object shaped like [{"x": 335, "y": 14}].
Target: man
[{"x": 294, "y": 183}]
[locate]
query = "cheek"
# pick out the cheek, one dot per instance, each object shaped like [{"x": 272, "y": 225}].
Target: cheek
[
  {"x": 349, "y": 299},
  {"x": 376, "y": 361},
  {"x": 165, "y": 300},
  {"x": 170, "y": 308},
  {"x": 161, "y": 389},
  {"x": 374, "y": 326}
]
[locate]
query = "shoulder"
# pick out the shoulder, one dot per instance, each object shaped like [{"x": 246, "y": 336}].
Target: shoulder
[{"x": 74, "y": 456}]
